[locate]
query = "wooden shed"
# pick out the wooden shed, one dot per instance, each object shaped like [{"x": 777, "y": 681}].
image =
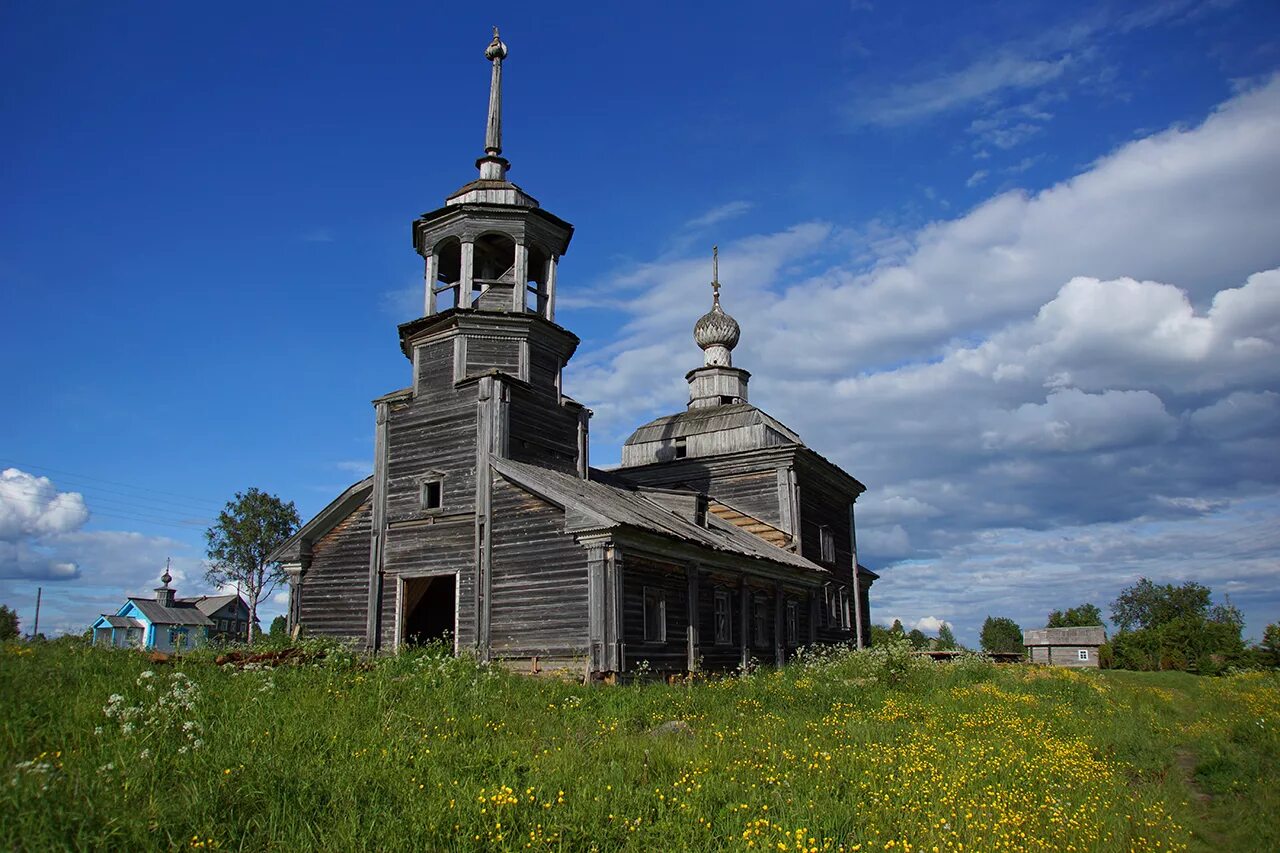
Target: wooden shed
[{"x": 1074, "y": 647}]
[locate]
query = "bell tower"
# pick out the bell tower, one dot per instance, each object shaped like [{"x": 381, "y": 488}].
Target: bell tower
[{"x": 491, "y": 247}]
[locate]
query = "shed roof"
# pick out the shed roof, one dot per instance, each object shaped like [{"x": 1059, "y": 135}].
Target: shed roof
[
  {"x": 179, "y": 614},
  {"x": 596, "y": 504},
  {"x": 1092, "y": 635},
  {"x": 709, "y": 419}
]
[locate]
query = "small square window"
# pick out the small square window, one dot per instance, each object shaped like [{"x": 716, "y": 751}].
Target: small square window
[
  {"x": 655, "y": 615},
  {"x": 682, "y": 448},
  {"x": 1082, "y": 654},
  {"x": 724, "y": 618},
  {"x": 432, "y": 495}
]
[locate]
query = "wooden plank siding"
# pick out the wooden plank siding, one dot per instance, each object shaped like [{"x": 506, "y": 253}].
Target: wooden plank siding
[
  {"x": 434, "y": 432},
  {"x": 447, "y": 544},
  {"x": 747, "y": 484},
  {"x": 749, "y": 523},
  {"x": 638, "y": 573},
  {"x": 541, "y": 431},
  {"x": 332, "y": 595},
  {"x": 539, "y": 594},
  {"x": 492, "y": 353}
]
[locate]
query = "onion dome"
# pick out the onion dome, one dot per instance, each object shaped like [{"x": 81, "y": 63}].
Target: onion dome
[
  {"x": 716, "y": 328},
  {"x": 716, "y": 332},
  {"x": 166, "y": 578}
]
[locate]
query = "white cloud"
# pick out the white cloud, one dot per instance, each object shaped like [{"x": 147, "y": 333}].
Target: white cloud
[
  {"x": 977, "y": 178},
  {"x": 719, "y": 214},
  {"x": 953, "y": 90},
  {"x": 31, "y": 506},
  {"x": 1097, "y": 356},
  {"x": 929, "y": 624}
]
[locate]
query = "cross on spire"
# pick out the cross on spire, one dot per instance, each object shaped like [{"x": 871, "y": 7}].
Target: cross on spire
[{"x": 715, "y": 274}]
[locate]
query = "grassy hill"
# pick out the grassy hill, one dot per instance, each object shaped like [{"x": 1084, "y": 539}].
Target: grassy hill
[{"x": 842, "y": 751}]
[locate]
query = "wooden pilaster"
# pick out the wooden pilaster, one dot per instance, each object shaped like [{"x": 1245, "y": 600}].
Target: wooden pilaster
[
  {"x": 373, "y": 620},
  {"x": 693, "y": 610},
  {"x": 779, "y": 637}
]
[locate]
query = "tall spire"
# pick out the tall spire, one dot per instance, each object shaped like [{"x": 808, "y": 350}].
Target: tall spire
[{"x": 493, "y": 166}]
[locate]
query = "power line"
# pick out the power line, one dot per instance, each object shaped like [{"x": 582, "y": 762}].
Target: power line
[
  {"x": 199, "y": 501},
  {"x": 93, "y": 501}
]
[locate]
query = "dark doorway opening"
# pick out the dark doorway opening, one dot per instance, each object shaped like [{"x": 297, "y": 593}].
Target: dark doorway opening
[{"x": 429, "y": 610}]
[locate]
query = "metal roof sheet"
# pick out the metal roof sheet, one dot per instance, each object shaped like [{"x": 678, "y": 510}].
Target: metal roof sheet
[{"x": 180, "y": 614}]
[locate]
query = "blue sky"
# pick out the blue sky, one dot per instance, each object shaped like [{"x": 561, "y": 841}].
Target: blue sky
[{"x": 1013, "y": 268}]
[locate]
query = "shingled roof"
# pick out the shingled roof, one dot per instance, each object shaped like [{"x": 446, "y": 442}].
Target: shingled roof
[
  {"x": 710, "y": 419},
  {"x": 1092, "y": 635},
  {"x": 592, "y": 504}
]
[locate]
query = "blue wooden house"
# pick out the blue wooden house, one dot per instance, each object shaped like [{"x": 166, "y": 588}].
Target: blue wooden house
[{"x": 167, "y": 623}]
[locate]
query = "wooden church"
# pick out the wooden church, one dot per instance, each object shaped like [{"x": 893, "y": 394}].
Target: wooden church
[{"x": 721, "y": 540}]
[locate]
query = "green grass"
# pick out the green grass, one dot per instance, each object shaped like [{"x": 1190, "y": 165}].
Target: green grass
[{"x": 854, "y": 751}]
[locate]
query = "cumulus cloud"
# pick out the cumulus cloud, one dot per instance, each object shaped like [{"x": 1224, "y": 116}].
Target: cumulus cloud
[
  {"x": 31, "y": 506},
  {"x": 33, "y": 513},
  {"x": 1099, "y": 357},
  {"x": 929, "y": 624}
]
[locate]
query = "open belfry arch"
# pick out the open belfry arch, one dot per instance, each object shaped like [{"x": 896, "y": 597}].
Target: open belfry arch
[{"x": 720, "y": 541}]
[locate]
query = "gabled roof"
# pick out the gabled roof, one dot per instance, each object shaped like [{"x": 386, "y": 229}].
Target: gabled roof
[
  {"x": 328, "y": 518},
  {"x": 1092, "y": 635},
  {"x": 593, "y": 505},
  {"x": 180, "y": 614},
  {"x": 210, "y": 604},
  {"x": 709, "y": 419}
]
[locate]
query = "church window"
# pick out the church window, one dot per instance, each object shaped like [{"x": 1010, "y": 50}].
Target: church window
[
  {"x": 828, "y": 544},
  {"x": 724, "y": 618},
  {"x": 726, "y": 400},
  {"x": 655, "y": 615},
  {"x": 432, "y": 494},
  {"x": 793, "y": 623},
  {"x": 759, "y": 619},
  {"x": 682, "y": 448},
  {"x": 1082, "y": 654}
]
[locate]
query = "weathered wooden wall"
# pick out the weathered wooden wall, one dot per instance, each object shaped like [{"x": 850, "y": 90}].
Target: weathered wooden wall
[
  {"x": 638, "y": 572},
  {"x": 539, "y": 592},
  {"x": 332, "y": 596},
  {"x": 542, "y": 432}
]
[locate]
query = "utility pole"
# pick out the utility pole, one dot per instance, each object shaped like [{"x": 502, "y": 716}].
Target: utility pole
[{"x": 35, "y": 630}]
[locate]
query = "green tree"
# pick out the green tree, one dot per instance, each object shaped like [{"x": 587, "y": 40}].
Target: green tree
[
  {"x": 879, "y": 635},
  {"x": 896, "y": 628},
  {"x": 1270, "y": 647},
  {"x": 917, "y": 638},
  {"x": 8, "y": 623},
  {"x": 279, "y": 629},
  {"x": 248, "y": 529},
  {"x": 1168, "y": 627},
  {"x": 1150, "y": 605},
  {"x": 1075, "y": 617},
  {"x": 946, "y": 639},
  {"x": 1001, "y": 634}
]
